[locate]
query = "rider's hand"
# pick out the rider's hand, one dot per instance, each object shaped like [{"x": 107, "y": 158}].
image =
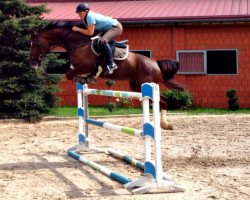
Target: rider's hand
[{"x": 74, "y": 28}]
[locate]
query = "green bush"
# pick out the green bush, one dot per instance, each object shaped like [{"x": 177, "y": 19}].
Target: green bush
[
  {"x": 231, "y": 93},
  {"x": 109, "y": 83},
  {"x": 233, "y": 103},
  {"x": 178, "y": 99},
  {"x": 124, "y": 102}
]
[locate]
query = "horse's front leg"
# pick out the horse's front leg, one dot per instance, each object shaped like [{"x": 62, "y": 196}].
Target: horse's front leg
[
  {"x": 79, "y": 74},
  {"x": 73, "y": 72},
  {"x": 163, "y": 106}
]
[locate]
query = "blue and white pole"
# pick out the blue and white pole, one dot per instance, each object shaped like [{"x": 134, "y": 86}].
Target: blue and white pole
[
  {"x": 151, "y": 131},
  {"x": 104, "y": 170},
  {"x": 113, "y": 93},
  {"x": 135, "y": 162},
  {"x": 81, "y": 113},
  {"x": 127, "y": 159},
  {"x": 122, "y": 129}
]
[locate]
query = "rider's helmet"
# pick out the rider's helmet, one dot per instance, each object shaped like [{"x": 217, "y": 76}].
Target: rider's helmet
[{"x": 82, "y": 7}]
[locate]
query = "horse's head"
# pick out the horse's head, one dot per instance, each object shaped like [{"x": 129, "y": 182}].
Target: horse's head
[
  {"x": 56, "y": 33},
  {"x": 40, "y": 46}
]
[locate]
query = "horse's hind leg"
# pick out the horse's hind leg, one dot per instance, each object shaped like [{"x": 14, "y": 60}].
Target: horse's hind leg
[
  {"x": 135, "y": 86},
  {"x": 163, "y": 106}
]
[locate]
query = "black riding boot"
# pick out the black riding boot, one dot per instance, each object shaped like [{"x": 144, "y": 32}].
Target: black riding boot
[{"x": 111, "y": 66}]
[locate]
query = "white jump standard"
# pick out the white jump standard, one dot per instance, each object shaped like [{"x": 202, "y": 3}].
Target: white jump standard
[{"x": 154, "y": 179}]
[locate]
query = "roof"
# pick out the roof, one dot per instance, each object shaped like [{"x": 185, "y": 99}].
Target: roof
[{"x": 158, "y": 10}]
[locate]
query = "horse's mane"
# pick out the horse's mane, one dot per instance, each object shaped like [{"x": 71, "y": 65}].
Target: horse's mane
[{"x": 62, "y": 24}]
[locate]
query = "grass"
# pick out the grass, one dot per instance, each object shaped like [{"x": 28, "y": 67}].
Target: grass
[
  {"x": 101, "y": 110},
  {"x": 69, "y": 111}
]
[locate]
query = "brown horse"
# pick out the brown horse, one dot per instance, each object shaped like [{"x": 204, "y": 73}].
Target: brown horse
[{"x": 137, "y": 69}]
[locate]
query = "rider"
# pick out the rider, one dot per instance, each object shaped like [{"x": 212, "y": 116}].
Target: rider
[{"x": 109, "y": 27}]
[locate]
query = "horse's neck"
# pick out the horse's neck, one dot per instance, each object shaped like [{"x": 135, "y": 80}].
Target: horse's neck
[{"x": 68, "y": 38}]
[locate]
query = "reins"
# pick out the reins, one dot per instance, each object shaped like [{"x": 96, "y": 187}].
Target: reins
[{"x": 71, "y": 48}]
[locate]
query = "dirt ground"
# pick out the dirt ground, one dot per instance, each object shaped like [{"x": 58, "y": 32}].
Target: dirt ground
[{"x": 209, "y": 156}]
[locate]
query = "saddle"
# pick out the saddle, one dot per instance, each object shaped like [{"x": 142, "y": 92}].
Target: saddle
[{"x": 120, "y": 49}]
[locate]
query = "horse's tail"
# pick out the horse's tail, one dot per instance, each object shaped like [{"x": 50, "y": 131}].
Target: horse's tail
[{"x": 168, "y": 69}]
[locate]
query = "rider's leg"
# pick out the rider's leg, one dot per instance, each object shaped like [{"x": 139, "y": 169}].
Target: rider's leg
[
  {"x": 106, "y": 50},
  {"x": 109, "y": 36}
]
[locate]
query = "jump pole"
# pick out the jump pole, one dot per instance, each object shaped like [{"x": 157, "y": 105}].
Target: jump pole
[
  {"x": 114, "y": 175},
  {"x": 127, "y": 159},
  {"x": 122, "y": 129},
  {"x": 138, "y": 164}
]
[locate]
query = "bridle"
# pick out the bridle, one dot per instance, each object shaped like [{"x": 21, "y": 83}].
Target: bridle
[{"x": 38, "y": 44}]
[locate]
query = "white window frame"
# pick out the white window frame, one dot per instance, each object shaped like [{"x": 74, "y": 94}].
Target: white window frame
[
  {"x": 193, "y": 51},
  {"x": 205, "y": 60}
]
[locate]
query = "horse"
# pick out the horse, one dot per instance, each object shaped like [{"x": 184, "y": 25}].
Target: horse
[{"x": 136, "y": 68}]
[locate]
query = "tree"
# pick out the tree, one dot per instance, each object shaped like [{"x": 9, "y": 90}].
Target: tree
[{"x": 24, "y": 92}]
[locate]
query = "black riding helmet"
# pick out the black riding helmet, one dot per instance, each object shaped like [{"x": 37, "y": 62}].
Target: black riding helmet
[{"x": 82, "y": 7}]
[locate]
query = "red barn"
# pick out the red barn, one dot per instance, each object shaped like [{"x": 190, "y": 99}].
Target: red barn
[{"x": 210, "y": 39}]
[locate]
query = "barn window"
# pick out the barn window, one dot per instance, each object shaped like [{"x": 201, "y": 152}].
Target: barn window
[
  {"x": 222, "y": 62},
  {"x": 215, "y": 61},
  {"x": 146, "y": 53},
  {"x": 192, "y": 62}
]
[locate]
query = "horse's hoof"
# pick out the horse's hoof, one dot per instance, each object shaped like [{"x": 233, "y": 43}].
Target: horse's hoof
[
  {"x": 81, "y": 80},
  {"x": 166, "y": 126}
]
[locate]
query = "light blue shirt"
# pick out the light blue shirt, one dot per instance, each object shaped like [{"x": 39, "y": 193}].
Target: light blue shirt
[{"x": 101, "y": 22}]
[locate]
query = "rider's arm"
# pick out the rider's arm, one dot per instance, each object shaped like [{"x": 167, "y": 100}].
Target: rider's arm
[{"x": 89, "y": 31}]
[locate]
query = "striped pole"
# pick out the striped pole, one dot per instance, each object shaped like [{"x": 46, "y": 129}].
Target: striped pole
[
  {"x": 127, "y": 159},
  {"x": 122, "y": 129},
  {"x": 134, "y": 162},
  {"x": 116, "y": 176},
  {"x": 113, "y": 93},
  {"x": 82, "y": 136},
  {"x": 86, "y": 116}
]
